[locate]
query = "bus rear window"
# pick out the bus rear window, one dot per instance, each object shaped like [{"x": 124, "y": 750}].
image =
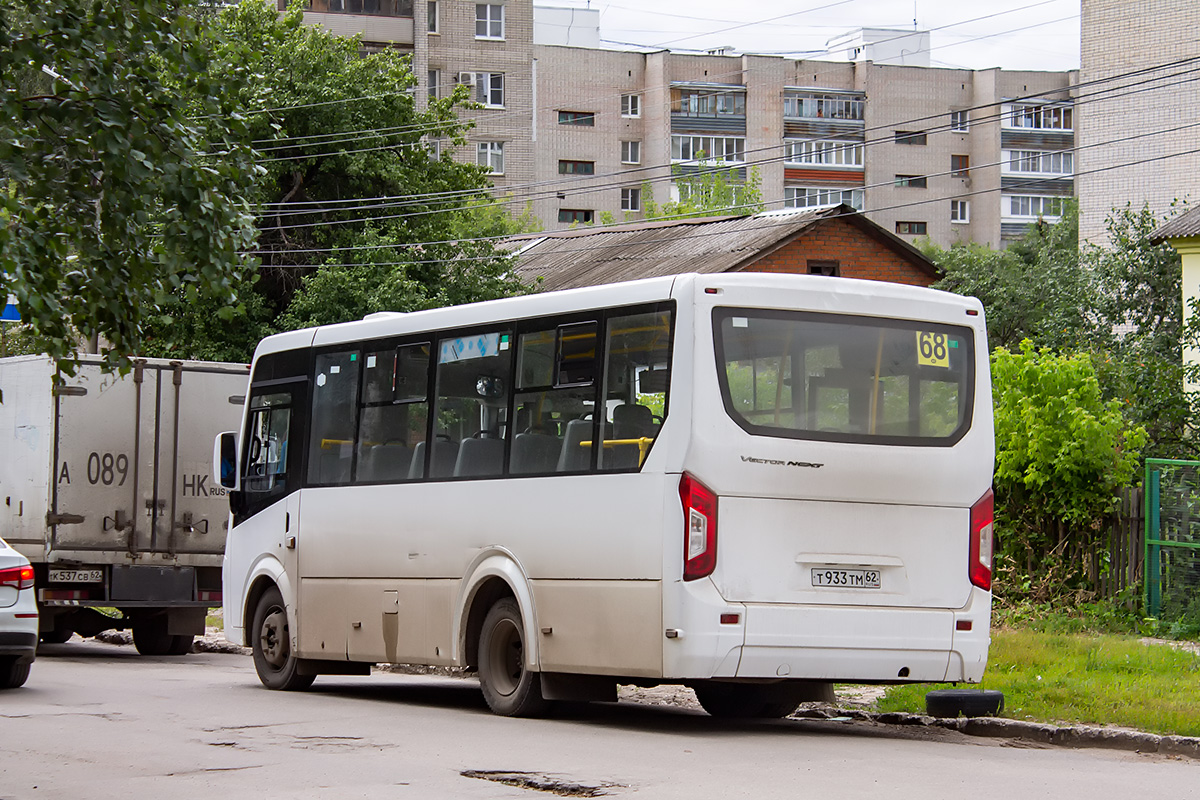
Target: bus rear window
[{"x": 805, "y": 375}]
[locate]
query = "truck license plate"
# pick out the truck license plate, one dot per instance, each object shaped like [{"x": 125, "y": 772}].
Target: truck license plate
[
  {"x": 846, "y": 578},
  {"x": 76, "y": 575}
]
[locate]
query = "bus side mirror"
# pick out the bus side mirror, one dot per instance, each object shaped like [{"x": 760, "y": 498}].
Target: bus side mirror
[{"x": 225, "y": 460}]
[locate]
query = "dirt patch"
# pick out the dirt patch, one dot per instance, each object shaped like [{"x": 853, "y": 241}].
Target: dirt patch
[{"x": 543, "y": 782}]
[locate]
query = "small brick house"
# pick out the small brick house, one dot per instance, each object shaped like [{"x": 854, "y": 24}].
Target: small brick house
[{"x": 834, "y": 240}]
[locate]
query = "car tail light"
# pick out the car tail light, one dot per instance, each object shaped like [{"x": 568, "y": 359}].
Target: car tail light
[
  {"x": 982, "y": 517},
  {"x": 699, "y": 528},
  {"x": 17, "y": 577}
]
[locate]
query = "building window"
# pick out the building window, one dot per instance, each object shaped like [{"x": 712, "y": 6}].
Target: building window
[
  {"x": 585, "y": 118},
  {"x": 911, "y": 228},
  {"x": 631, "y": 152},
  {"x": 491, "y": 155},
  {"x": 489, "y": 89},
  {"x": 434, "y": 78},
  {"x": 810, "y": 196},
  {"x": 1034, "y": 207},
  {"x": 374, "y": 8},
  {"x": 434, "y": 147},
  {"x": 708, "y": 102},
  {"x": 715, "y": 148},
  {"x": 631, "y": 105},
  {"x": 1057, "y": 163},
  {"x": 1045, "y": 117},
  {"x": 959, "y": 121},
  {"x": 822, "y": 106},
  {"x": 960, "y": 211},
  {"x": 910, "y": 137},
  {"x": 830, "y": 268},
  {"x": 489, "y": 21},
  {"x": 432, "y": 7},
  {"x": 960, "y": 166},
  {"x": 912, "y": 181},
  {"x": 631, "y": 199},
  {"x": 576, "y": 167},
  {"x": 825, "y": 153},
  {"x": 569, "y": 216}
]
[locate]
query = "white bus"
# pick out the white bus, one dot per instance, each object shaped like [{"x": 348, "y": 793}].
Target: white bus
[{"x": 753, "y": 485}]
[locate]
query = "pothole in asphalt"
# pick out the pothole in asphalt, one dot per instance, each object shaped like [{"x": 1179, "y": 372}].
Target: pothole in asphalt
[{"x": 543, "y": 782}]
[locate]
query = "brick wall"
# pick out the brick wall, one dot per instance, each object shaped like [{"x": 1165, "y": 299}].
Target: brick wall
[{"x": 858, "y": 256}]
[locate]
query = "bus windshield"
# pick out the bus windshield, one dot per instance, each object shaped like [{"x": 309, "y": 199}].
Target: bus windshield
[{"x": 843, "y": 378}]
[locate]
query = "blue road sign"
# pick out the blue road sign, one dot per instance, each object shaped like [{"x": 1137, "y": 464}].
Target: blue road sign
[{"x": 11, "y": 314}]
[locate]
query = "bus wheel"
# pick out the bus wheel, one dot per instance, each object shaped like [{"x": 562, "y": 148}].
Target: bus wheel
[
  {"x": 272, "y": 645},
  {"x": 510, "y": 689},
  {"x": 748, "y": 701}
]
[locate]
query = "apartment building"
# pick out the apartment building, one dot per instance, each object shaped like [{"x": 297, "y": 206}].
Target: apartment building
[
  {"x": 582, "y": 135},
  {"x": 1138, "y": 64}
]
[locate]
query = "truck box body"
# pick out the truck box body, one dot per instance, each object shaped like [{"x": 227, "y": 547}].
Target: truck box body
[{"x": 107, "y": 488}]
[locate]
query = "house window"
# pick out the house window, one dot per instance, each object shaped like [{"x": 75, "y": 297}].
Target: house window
[
  {"x": 960, "y": 166},
  {"x": 715, "y": 148},
  {"x": 830, "y": 268},
  {"x": 825, "y": 153},
  {"x": 960, "y": 211},
  {"x": 1045, "y": 117},
  {"x": 569, "y": 216},
  {"x": 911, "y": 228},
  {"x": 434, "y": 147},
  {"x": 576, "y": 167},
  {"x": 912, "y": 181},
  {"x": 434, "y": 78},
  {"x": 959, "y": 121},
  {"x": 631, "y": 105},
  {"x": 489, "y": 21},
  {"x": 910, "y": 137},
  {"x": 631, "y": 152},
  {"x": 489, "y": 89},
  {"x": 708, "y": 103},
  {"x": 1034, "y": 206},
  {"x": 1057, "y": 163},
  {"x": 491, "y": 155},
  {"x": 586, "y": 118},
  {"x": 631, "y": 199},
  {"x": 432, "y": 7},
  {"x": 811, "y": 196}
]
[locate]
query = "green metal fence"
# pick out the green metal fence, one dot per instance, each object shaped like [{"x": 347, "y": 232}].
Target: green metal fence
[{"x": 1172, "y": 558}]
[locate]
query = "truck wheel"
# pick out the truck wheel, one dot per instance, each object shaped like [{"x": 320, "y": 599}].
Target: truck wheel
[
  {"x": 150, "y": 637},
  {"x": 509, "y": 687},
  {"x": 56, "y": 636},
  {"x": 271, "y": 643},
  {"x": 13, "y": 672}
]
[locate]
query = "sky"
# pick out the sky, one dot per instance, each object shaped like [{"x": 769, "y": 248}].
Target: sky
[{"x": 1012, "y": 34}]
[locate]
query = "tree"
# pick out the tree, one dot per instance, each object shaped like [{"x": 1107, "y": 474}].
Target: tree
[
  {"x": 713, "y": 189},
  {"x": 356, "y": 214},
  {"x": 116, "y": 206},
  {"x": 1063, "y": 452}
]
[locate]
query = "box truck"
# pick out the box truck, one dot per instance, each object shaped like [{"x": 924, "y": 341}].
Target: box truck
[{"x": 106, "y": 486}]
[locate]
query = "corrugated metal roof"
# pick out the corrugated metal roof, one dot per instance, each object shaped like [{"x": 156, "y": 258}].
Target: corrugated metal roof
[
  {"x": 1181, "y": 227},
  {"x": 586, "y": 257}
]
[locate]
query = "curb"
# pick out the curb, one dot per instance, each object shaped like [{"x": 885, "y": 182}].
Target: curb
[{"x": 1041, "y": 733}]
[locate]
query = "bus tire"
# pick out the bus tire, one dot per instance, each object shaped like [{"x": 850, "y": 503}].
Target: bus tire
[
  {"x": 271, "y": 644},
  {"x": 964, "y": 702},
  {"x": 748, "y": 701},
  {"x": 510, "y": 688}
]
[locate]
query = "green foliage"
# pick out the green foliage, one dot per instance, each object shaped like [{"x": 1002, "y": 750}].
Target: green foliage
[
  {"x": 115, "y": 205},
  {"x": 1062, "y": 455},
  {"x": 1034, "y": 289},
  {"x": 711, "y": 190}
]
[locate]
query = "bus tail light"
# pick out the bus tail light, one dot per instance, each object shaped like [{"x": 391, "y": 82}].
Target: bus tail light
[
  {"x": 17, "y": 577},
  {"x": 982, "y": 518},
  {"x": 700, "y": 528}
]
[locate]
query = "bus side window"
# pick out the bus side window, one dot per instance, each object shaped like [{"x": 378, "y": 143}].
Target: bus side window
[
  {"x": 471, "y": 410},
  {"x": 394, "y": 414},
  {"x": 554, "y": 399},
  {"x": 334, "y": 414},
  {"x": 636, "y": 378}
]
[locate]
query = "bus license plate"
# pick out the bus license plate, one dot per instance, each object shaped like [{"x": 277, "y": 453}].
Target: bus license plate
[
  {"x": 846, "y": 578},
  {"x": 76, "y": 576}
]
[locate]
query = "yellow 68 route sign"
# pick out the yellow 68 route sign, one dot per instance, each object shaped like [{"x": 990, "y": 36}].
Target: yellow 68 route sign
[{"x": 933, "y": 349}]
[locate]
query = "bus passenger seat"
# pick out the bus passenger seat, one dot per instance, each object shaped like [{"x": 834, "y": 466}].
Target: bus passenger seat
[
  {"x": 534, "y": 453},
  {"x": 574, "y": 456},
  {"x": 631, "y": 421},
  {"x": 479, "y": 457},
  {"x": 385, "y": 462},
  {"x": 445, "y": 453}
]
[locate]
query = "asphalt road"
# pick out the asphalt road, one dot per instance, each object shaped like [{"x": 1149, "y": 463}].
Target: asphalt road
[{"x": 99, "y": 721}]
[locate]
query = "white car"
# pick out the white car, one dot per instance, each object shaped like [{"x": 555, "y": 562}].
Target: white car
[{"x": 18, "y": 617}]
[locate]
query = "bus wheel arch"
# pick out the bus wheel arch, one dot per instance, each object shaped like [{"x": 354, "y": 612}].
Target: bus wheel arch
[
  {"x": 268, "y": 574},
  {"x": 494, "y": 576}
]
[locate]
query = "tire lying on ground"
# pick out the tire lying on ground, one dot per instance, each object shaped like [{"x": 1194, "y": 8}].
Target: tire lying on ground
[{"x": 964, "y": 702}]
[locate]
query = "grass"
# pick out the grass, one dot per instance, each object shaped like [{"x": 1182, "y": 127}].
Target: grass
[{"x": 1099, "y": 679}]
